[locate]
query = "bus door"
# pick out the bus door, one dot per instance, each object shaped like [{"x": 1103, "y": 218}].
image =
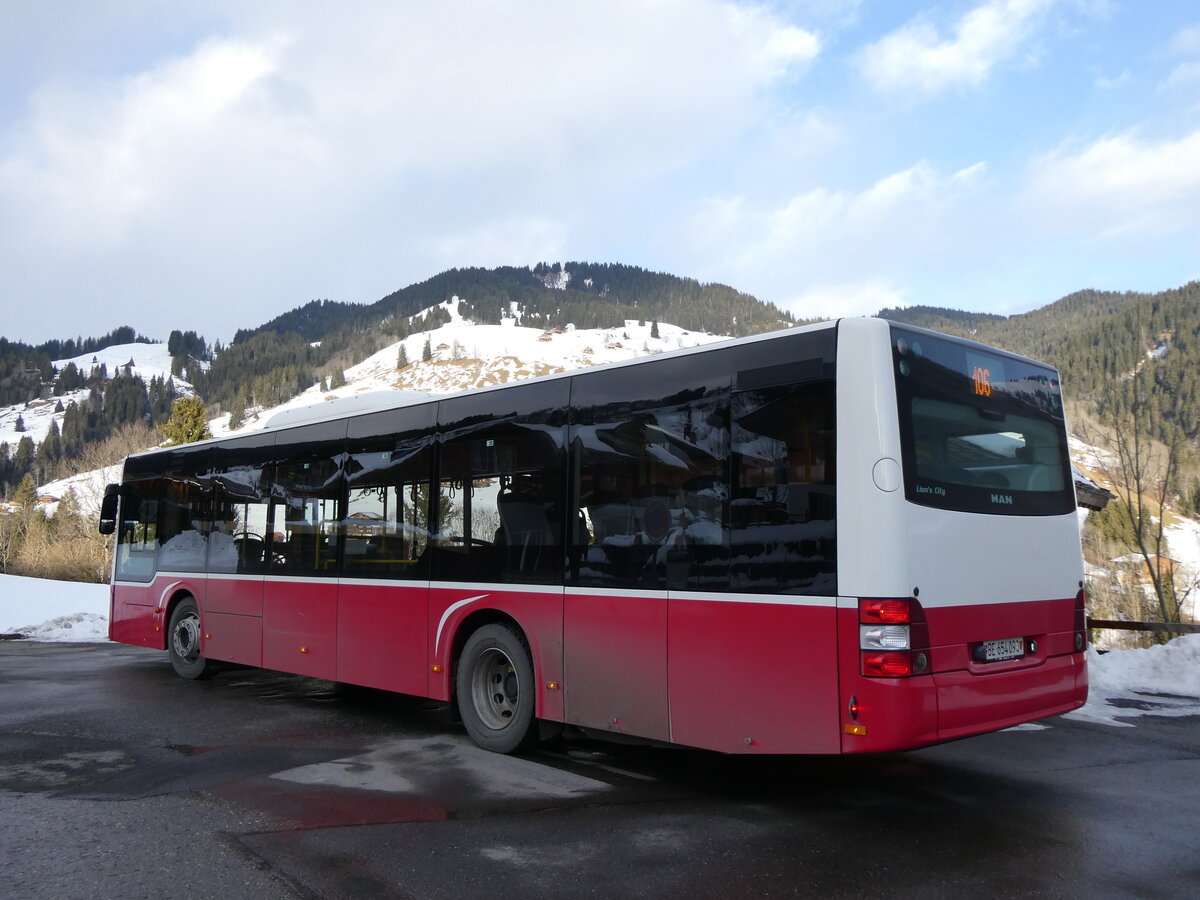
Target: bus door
[
  {"x": 301, "y": 593},
  {"x": 383, "y": 596},
  {"x": 237, "y": 546}
]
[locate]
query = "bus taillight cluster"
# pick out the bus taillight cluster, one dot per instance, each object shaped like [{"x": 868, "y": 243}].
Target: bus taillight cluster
[{"x": 892, "y": 637}]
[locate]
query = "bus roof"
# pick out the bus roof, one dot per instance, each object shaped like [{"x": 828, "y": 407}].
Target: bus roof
[{"x": 378, "y": 401}]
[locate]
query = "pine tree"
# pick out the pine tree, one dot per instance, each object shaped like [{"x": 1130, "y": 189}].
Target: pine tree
[
  {"x": 402, "y": 358},
  {"x": 25, "y": 496},
  {"x": 188, "y": 422},
  {"x": 22, "y": 462},
  {"x": 20, "y": 426},
  {"x": 427, "y": 353},
  {"x": 237, "y": 411}
]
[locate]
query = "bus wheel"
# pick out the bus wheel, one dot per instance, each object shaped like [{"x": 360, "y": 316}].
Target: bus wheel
[
  {"x": 495, "y": 689},
  {"x": 183, "y": 641}
]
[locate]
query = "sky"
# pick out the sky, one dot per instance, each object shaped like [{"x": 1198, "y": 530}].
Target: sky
[{"x": 208, "y": 165}]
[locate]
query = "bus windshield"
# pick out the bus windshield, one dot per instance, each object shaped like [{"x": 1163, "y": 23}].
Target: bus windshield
[{"x": 981, "y": 431}]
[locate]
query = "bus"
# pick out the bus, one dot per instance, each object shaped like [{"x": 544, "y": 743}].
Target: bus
[{"x": 854, "y": 536}]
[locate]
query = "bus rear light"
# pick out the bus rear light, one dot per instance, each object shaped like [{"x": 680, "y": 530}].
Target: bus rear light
[
  {"x": 887, "y": 665},
  {"x": 886, "y": 611},
  {"x": 884, "y": 637},
  {"x": 893, "y": 637}
]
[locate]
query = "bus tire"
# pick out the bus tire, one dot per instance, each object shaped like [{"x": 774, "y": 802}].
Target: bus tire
[
  {"x": 495, "y": 689},
  {"x": 183, "y": 641}
]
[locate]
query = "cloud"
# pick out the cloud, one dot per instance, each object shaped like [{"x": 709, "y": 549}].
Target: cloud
[
  {"x": 836, "y": 252},
  {"x": 855, "y": 298},
  {"x": 93, "y": 163},
  {"x": 1186, "y": 41},
  {"x": 1184, "y": 76},
  {"x": 304, "y": 151},
  {"x": 1121, "y": 186},
  {"x": 918, "y": 57}
]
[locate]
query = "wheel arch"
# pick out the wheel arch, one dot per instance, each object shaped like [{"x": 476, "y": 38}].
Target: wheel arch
[{"x": 173, "y": 596}]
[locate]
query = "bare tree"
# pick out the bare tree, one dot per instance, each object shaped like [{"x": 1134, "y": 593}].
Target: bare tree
[{"x": 1143, "y": 471}]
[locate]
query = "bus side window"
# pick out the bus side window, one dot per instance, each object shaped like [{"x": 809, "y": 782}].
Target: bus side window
[
  {"x": 652, "y": 484},
  {"x": 784, "y": 528},
  {"x": 500, "y": 506},
  {"x": 306, "y": 496},
  {"x": 237, "y": 542},
  {"x": 386, "y": 526},
  {"x": 182, "y": 531}
]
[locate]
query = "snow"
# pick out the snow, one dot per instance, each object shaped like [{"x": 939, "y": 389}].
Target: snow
[
  {"x": 468, "y": 355},
  {"x": 1163, "y": 680},
  {"x": 149, "y": 360},
  {"x": 44, "y": 610},
  {"x": 88, "y": 488}
]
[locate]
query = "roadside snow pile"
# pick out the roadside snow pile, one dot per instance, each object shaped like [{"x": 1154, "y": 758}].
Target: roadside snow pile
[
  {"x": 1156, "y": 681},
  {"x": 45, "y": 610}
]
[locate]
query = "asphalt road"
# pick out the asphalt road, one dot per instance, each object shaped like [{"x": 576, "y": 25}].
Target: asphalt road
[{"x": 118, "y": 779}]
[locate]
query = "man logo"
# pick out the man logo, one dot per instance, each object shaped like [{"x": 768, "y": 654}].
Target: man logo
[{"x": 1006, "y": 499}]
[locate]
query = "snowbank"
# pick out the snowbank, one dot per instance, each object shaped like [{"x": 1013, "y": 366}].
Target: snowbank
[
  {"x": 45, "y": 610},
  {"x": 1163, "y": 680}
]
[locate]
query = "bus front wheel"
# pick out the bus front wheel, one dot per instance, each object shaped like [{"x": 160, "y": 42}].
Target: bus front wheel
[
  {"x": 183, "y": 641},
  {"x": 496, "y": 690}
]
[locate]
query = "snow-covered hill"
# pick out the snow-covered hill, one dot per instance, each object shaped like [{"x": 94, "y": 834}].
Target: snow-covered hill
[
  {"x": 466, "y": 355},
  {"x": 147, "y": 361}
]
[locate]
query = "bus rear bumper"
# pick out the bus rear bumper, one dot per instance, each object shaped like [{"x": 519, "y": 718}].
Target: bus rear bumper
[
  {"x": 968, "y": 703},
  {"x": 904, "y": 713}
]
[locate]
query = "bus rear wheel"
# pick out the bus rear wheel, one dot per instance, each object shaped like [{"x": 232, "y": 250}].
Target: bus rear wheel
[
  {"x": 495, "y": 689},
  {"x": 183, "y": 641}
]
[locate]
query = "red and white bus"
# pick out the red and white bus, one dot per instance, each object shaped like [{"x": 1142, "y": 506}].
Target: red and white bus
[{"x": 849, "y": 537}]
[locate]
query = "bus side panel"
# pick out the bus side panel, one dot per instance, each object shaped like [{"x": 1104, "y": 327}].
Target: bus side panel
[
  {"x": 133, "y": 619},
  {"x": 235, "y": 595},
  {"x": 753, "y": 677},
  {"x": 615, "y": 662},
  {"x": 236, "y": 639},
  {"x": 300, "y": 627},
  {"x": 382, "y": 633}
]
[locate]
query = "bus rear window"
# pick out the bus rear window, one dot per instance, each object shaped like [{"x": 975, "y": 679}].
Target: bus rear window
[{"x": 981, "y": 431}]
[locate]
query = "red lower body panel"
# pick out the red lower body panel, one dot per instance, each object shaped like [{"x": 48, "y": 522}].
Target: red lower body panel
[
  {"x": 747, "y": 677},
  {"x": 299, "y": 627},
  {"x": 735, "y": 674},
  {"x": 236, "y": 639},
  {"x": 382, "y": 631},
  {"x": 964, "y": 696}
]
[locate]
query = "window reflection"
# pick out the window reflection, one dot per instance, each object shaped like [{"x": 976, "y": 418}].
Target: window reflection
[{"x": 784, "y": 528}]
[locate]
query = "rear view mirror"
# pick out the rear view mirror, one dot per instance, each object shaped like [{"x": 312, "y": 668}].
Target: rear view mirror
[{"x": 108, "y": 509}]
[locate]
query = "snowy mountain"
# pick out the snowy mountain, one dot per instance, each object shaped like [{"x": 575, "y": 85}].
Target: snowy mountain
[
  {"x": 466, "y": 355},
  {"x": 146, "y": 361}
]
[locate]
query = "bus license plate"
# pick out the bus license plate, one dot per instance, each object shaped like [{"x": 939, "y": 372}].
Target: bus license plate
[{"x": 1005, "y": 648}]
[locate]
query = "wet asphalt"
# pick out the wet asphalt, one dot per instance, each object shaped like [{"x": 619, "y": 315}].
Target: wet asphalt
[{"x": 118, "y": 779}]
